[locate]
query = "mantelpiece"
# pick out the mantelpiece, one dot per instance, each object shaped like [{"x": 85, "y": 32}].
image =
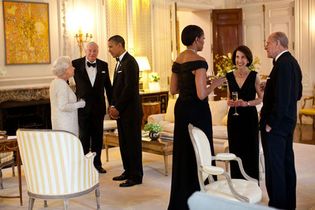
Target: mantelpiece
[
  {"x": 24, "y": 93},
  {"x": 24, "y": 106}
]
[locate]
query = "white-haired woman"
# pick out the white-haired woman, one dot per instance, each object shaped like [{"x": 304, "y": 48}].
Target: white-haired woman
[{"x": 63, "y": 101}]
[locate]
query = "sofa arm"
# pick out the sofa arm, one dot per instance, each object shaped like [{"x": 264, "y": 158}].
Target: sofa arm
[{"x": 156, "y": 118}]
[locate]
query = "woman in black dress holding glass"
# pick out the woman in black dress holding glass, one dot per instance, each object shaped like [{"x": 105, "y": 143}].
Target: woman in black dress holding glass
[
  {"x": 189, "y": 79},
  {"x": 243, "y": 85}
]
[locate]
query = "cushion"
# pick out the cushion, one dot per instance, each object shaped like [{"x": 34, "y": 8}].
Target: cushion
[
  {"x": 109, "y": 125},
  {"x": 167, "y": 126},
  {"x": 224, "y": 120},
  {"x": 169, "y": 116},
  {"x": 307, "y": 111},
  {"x": 218, "y": 111},
  {"x": 219, "y": 131}
]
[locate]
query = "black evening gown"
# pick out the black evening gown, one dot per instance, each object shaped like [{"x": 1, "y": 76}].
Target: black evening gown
[
  {"x": 188, "y": 109},
  {"x": 243, "y": 129}
]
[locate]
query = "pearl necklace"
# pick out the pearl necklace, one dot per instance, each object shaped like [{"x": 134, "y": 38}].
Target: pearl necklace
[{"x": 195, "y": 51}]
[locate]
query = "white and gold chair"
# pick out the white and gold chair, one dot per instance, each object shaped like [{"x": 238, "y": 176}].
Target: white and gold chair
[
  {"x": 231, "y": 189},
  {"x": 55, "y": 166}
]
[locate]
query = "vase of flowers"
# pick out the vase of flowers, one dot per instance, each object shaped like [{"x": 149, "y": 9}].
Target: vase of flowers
[
  {"x": 154, "y": 84},
  {"x": 154, "y": 130}
]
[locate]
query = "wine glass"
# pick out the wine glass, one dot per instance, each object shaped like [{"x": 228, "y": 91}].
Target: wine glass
[
  {"x": 235, "y": 98},
  {"x": 210, "y": 78}
]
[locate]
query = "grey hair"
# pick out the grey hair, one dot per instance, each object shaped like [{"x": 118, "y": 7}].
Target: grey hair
[
  {"x": 281, "y": 37},
  {"x": 91, "y": 43},
  {"x": 60, "y": 65}
]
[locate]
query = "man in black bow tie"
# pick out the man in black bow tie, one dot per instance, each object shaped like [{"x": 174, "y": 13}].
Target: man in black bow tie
[
  {"x": 91, "y": 77},
  {"x": 89, "y": 64},
  {"x": 127, "y": 110}
]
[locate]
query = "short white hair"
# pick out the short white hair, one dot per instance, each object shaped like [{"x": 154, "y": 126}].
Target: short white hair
[{"x": 60, "y": 65}]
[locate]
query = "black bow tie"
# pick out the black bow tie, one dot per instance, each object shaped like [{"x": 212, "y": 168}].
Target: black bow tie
[
  {"x": 91, "y": 64},
  {"x": 117, "y": 59}
]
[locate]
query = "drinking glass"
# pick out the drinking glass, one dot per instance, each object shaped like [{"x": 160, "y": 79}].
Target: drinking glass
[{"x": 235, "y": 98}]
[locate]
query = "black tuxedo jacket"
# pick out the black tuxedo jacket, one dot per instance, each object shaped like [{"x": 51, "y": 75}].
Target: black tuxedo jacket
[
  {"x": 126, "y": 98},
  {"x": 93, "y": 95},
  {"x": 283, "y": 90}
]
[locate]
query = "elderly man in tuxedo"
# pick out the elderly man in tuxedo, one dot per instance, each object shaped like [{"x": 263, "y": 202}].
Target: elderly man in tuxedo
[
  {"x": 127, "y": 110},
  {"x": 91, "y": 77},
  {"x": 278, "y": 119}
]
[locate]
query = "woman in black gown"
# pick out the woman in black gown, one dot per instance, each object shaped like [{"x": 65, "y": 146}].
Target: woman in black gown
[
  {"x": 189, "y": 79},
  {"x": 243, "y": 128}
]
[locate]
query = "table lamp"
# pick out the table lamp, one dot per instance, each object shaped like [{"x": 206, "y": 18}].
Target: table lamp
[{"x": 144, "y": 65}]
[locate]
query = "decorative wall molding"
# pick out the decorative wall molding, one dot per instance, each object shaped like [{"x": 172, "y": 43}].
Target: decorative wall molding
[
  {"x": 24, "y": 94},
  {"x": 65, "y": 34}
]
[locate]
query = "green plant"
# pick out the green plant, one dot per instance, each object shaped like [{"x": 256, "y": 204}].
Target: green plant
[
  {"x": 154, "y": 77},
  {"x": 224, "y": 64},
  {"x": 154, "y": 127}
]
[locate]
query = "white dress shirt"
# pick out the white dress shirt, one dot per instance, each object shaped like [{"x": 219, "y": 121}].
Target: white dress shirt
[{"x": 91, "y": 71}]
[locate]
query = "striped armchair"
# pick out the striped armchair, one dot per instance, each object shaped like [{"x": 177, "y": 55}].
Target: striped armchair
[{"x": 55, "y": 166}]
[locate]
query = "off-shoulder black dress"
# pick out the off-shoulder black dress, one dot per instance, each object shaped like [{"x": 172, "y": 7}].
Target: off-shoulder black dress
[
  {"x": 243, "y": 129},
  {"x": 188, "y": 109}
]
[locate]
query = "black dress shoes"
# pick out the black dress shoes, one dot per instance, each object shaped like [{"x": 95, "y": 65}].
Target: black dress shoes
[
  {"x": 129, "y": 183},
  {"x": 101, "y": 170},
  {"x": 120, "y": 178}
]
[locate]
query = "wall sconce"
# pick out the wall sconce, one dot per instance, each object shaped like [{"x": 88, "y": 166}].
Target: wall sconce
[
  {"x": 81, "y": 39},
  {"x": 144, "y": 65}
]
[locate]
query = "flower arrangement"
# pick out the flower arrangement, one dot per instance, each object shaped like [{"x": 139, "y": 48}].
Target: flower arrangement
[
  {"x": 153, "y": 127},
  {"x": 224, "y": 64},
  {"x": 154, "y": 77}
]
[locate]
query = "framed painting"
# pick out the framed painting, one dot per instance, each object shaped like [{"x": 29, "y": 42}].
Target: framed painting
[{"x": 26, "y": 32}]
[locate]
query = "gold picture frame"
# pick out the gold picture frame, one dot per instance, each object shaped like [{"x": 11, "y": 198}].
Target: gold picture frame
[{"x": 26, "y": 32}]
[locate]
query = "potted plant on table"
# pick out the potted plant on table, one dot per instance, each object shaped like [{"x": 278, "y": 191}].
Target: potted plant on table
[
  {"x": 154, "y": 84},
  {"x": 154, "y": 130}
]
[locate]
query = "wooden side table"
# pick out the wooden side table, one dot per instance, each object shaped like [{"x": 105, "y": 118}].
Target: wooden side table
[
  {"x": 160, "y": 147},
  {"x": 11, "y": 145}
]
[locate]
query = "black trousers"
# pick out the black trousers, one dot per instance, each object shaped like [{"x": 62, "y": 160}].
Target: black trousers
[
  {"x": 280, "y": 169},
  {"x": 129, "y": 134},
  {"x": 91, "y": 136}
]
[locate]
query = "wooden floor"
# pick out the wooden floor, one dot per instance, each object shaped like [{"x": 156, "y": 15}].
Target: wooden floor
[{"x": 308, "y": 134}]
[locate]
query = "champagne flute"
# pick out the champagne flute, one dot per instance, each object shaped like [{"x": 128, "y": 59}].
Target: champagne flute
[
  {"x": 210, "y": 79},
  {"x": 235, "y": 98}
]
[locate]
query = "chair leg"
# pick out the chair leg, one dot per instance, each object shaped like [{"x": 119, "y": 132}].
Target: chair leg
[
  {"x": 1, "y": 181},
  {"x": 66, "y": 204},
  {"x": 45, "y": 204},
  {"x": 97, "y": 194},
  {"x": 13, "y": 171},
  {"x": 31, "y": 203},
  {"x": 300, "y": 126}
]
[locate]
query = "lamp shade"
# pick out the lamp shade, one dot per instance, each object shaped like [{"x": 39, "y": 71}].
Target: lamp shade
[{"x": 143, "y": 63}]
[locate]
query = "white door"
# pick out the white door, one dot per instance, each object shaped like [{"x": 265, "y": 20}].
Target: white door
[{"x": 262, "y": 19}]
